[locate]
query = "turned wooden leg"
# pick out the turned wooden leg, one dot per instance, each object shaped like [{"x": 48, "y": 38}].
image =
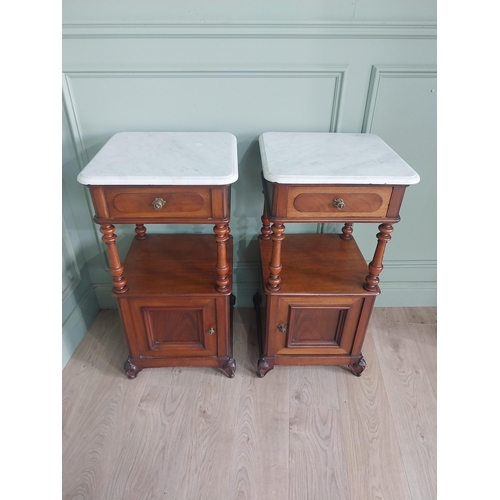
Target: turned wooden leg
[
  {"x": 221, "y": 236},
  {"x": 116, "y": 268},
  {"x": 266, "y": 226},
  {"x": 229, "y": 366},
  {"x": 375, "y": 267},
  {"x": 140, "y": 232},
  {"x": 264, "y": 364},
  {"x": 130, "y": 369},
  {"x": 358, "y": 366},
  {"x": 347, "y": 232},
  {"x": 277, "y": 236}
]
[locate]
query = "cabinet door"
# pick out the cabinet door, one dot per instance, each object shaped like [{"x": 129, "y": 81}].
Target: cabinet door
[
  {"x": 170, "y": 327},
  {"x": 313, "y": 325}
]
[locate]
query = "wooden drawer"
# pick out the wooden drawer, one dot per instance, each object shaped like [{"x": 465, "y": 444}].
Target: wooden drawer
[
  {"x": 338, "y": 201},
  {"x": 153, "y": 203}
]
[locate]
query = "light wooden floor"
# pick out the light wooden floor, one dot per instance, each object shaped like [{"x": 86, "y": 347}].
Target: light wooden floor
[{"x": 301, "y": 433}]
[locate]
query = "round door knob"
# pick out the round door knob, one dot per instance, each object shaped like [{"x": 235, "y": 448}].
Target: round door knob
[
  {"x": 339, "y": 203},
  {"x": 211, "y": 331},
  {"x": 158, "y": 203}
]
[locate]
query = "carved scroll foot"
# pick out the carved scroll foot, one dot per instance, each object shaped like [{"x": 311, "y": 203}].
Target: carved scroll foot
[
  {"x": 229, "y": 368},
  {"x": 357, "y": 367},
  {"x": 263, "y": 367},
  {"x": 130, "y": 369}
]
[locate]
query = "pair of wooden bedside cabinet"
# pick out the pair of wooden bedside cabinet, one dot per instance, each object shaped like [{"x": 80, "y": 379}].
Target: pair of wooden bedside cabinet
[{"x": 174, "y": 291}]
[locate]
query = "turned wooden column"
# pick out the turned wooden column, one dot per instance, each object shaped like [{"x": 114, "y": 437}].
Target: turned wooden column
[
  {"x": 221, "y": 236},
  {"x": 116, "y": 268},
  {"x": 277, "y": 236},
  {"x": 140, "y": 231},
  {"x": 347, "y": 231},
  {"x": 375, "y": 267},
  {"x": 265, "y": 231}
]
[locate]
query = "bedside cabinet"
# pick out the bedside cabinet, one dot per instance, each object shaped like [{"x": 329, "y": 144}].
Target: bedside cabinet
[
  {"x": 318, "y": 290},
  {"x": 173, "y": 290}
]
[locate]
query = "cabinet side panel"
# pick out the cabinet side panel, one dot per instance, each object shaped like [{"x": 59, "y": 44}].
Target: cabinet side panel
[{"x": 99, "y": 201}]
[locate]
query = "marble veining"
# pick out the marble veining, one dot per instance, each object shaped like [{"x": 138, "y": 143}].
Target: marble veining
[
  {"x": 164, "y": 158},
  {"x": 332, "y": 158}
]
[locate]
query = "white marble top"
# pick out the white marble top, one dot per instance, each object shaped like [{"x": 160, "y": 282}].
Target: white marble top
[
  {"x": 164, "y": 158},
  {"x": 331, "y": 158}
]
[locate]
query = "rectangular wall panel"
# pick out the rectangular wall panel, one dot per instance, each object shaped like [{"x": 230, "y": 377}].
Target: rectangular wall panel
[{"x": 401, "y": 108}]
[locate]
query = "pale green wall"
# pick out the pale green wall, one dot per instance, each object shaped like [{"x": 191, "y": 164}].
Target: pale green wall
[
  {"x": 79, "y": 301},
  {"x": 246, "y": 68}
]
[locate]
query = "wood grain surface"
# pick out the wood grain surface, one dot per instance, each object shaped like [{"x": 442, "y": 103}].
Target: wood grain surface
[
  {"x": 412, "y": 400},
  {"x": 302, "y": 432}
]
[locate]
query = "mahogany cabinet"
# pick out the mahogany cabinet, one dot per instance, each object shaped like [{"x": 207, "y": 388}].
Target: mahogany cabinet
[
  {"x": 174, "y": 291},
  {"x": 318, "y": 291}
]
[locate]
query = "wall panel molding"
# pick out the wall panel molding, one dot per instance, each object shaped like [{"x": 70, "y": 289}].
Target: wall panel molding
[
  {"x": 337, "y": 74},
  {"x": 71, "y": 271},
  {"x": 309, "y": 30},
  {"x": 409, "y": 282},
  {"x": 73, "y": 122},
  {"x": 77, "y": 323},
  {"x": 408, "y": 264},
  {"x": 407, "y": 294},
  {"x": 76, "y": 135},
  {"x": 378, "y": 73}
]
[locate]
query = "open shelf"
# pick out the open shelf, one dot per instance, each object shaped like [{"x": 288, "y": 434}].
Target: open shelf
[
  {"x": 317, "y": 264},
  {"x": 174, "y": 264}
]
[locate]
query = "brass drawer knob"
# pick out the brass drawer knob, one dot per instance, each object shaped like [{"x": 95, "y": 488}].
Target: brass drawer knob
[
  {"x": 158, "y": 203},
  {"x": 211, "y": 331},
  {"x": 282, "y": 327},
  {"x": 338, "y": 203}
]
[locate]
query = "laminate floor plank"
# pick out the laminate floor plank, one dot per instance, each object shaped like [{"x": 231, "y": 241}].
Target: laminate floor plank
[
  {"x": 181, "y": 376},
  {"x": 314, "y": 386},
  {"x": 259, "y": 459},
  {"x": 372, "y": 453},
  {"x": 215, "y": 434},
  {"x": 421, "y": 315},
  {"x": 88, "y": 468},
  {"x": 426, "y": 339},
  {"x": 84, "y": 370},
  {"x": 246, "y": 348},
  {"x": 158, "y": 455},
  {"x": 411, "y": 398},
  {"x": 301, "y": 432},
  {"x": 90, "y": 449},
  {"x": 317, "y": 467},
  {"x": 317, "y": 455}
]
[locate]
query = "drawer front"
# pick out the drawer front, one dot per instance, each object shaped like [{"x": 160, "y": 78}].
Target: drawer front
[
  {"x": 171, "y": 327},
  {"x": 153, "y": 203},
  {"x": 338, "y": 202},
  {"x": 164, "y": 202},
  {"x": 313, "y": 325}
]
